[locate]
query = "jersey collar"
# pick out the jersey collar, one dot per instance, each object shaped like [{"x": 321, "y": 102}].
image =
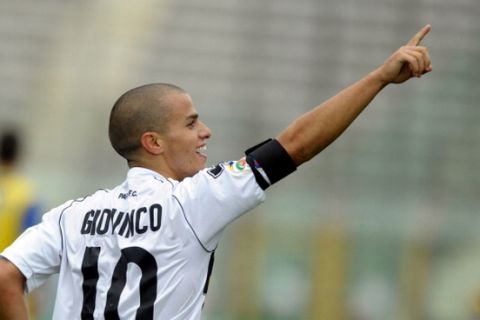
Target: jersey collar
[{"x": 143, "y": 172}]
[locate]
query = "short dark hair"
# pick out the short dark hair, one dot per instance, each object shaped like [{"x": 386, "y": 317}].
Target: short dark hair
[
  {"x": 9, "y": 146},
  {"x": 139, "y": 110}
]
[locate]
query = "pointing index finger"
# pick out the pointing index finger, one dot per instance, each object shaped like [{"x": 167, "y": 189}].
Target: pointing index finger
[{"x": 417, "y": 38}]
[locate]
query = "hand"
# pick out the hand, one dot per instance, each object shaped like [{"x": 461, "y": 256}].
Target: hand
[{"x": 408, "y": 61}]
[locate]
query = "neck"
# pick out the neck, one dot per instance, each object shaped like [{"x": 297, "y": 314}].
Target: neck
[{"x": 154, "y": 166}]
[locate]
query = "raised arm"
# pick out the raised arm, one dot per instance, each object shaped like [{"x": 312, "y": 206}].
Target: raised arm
[
  {"x": 12, "y": 297},
  {"x": 315, "y": 130}
]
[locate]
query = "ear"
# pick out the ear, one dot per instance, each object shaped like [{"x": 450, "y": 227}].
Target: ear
[{"x": 152, "y": 142}]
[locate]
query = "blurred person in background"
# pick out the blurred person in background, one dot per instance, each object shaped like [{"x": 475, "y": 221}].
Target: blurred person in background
[
  {"x": 144, "y": 250},
  {"x": 19, "y": 209}
]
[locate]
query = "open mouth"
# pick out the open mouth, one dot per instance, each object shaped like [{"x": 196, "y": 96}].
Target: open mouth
[{"x": 202, "y": 150}]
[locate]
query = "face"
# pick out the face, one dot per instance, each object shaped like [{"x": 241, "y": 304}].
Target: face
[{"x": 185, "y": 140}]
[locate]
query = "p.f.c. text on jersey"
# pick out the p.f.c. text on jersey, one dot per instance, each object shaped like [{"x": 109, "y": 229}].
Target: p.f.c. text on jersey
[{"x": 126, "y": 224}]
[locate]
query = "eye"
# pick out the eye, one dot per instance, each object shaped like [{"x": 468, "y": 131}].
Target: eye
[{"x": 191, "y": 121}]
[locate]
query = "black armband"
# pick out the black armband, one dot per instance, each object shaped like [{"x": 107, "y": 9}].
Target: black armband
[{"x": 273, "y": 159}]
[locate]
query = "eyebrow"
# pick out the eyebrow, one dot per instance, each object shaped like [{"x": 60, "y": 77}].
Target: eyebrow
[{"x": 192, "y": 117}]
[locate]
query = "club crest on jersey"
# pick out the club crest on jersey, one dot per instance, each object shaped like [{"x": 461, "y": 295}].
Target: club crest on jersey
[{"x": 216, "y": 171}]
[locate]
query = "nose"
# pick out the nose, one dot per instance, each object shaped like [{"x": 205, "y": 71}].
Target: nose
[{"x": 205, "y": 132}]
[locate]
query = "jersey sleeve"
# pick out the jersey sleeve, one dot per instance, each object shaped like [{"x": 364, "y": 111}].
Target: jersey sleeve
[
  {"x": 216, "y": 196},
  {"x": 37, "y": 251}
]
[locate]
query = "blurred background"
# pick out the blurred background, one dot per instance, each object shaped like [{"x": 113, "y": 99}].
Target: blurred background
[{"x": 381, "y": 225}]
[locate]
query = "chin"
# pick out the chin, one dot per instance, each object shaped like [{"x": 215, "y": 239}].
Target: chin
[{"x": 198, "y": 170}]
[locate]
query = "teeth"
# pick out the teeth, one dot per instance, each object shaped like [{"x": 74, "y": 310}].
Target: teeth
[{"x": 202, "y": 149}]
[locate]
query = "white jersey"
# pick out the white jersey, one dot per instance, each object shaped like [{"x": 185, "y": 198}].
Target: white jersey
[{"x": 141, "y": 250}]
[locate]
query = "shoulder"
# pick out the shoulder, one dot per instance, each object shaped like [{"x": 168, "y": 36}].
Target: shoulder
[
  {"x": 97, "y": 196},
  {"x": 226, "y": 180}
]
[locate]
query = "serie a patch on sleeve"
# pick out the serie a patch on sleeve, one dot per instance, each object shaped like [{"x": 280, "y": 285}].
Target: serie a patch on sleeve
[
  {"x": 237, "y": 166},
  {"x": 234, "y": 166}
]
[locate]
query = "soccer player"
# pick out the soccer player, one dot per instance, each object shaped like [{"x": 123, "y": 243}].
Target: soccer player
[
  {"x": 19, "y": 208},
  {"x": 144, "y": 249}
]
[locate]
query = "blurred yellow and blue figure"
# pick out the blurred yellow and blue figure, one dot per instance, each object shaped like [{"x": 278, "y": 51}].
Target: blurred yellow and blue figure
[{"x": 18, "y": 207}]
